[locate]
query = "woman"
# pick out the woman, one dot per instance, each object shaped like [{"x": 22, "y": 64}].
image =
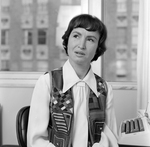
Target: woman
[{"x": 71, "y": 106}]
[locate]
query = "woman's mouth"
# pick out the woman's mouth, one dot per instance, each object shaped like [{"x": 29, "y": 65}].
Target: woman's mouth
[{"x": 80, "y": 53}]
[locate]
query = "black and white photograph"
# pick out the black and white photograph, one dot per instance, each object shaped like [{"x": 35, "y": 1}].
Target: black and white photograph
[{"x": 75, "y": 73}]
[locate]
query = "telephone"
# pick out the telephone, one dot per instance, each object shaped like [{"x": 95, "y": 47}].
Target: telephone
[{"x": 135, "y": 132}]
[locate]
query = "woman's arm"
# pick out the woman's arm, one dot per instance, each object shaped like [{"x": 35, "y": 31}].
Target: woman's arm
[
  {"x": 37, "y": 135},
  {"x": 109, "y": 136},
  {"x": 110, "y": 112},
  {"x": 110, "y": 129}
]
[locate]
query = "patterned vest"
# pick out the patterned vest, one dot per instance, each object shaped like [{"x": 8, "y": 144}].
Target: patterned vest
[{"x": 61, "y": 112}]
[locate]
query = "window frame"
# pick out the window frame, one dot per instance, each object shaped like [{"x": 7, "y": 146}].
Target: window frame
[{"x": 28, "y": 79}]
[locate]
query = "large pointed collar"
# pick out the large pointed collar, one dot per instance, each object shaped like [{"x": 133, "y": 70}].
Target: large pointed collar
[{"x": 70, "y": 78}]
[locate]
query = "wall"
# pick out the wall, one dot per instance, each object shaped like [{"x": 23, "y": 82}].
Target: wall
[
  {"x": 0, "y": 125},
  {"x": 125, "y": 104},
  {"x": 13, "y": 98}
]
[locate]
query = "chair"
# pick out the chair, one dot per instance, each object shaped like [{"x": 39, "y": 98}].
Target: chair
[{"x": 21, "y": 126}]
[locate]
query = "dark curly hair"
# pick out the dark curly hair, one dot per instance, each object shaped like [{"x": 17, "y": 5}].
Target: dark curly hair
[{"x": 90, "y": 23}]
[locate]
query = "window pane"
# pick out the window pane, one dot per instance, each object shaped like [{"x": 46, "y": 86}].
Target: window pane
[
  {"x": 42, "y": 36},
  {"x": 121, "y": 19},
  {"x": 3, "y": 37},
  {"x": 32, "y": 31}
]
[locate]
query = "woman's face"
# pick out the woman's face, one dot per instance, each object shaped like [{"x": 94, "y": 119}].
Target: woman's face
[{"x": 82, "y": 46}]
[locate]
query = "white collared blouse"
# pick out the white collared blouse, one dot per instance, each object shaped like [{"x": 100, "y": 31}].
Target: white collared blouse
[{"x": 37, "y": 135}]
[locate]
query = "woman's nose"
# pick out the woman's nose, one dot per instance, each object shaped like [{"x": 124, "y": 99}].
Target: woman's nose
[{"x": 82, "y": 44}]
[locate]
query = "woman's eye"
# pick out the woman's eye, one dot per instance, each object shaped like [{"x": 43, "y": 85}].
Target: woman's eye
[
  {"x": 91, "y": 40},
  {"x": 75, "y": 36}
]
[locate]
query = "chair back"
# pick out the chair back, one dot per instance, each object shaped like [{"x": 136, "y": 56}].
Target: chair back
[{"x": 22, "y": 125}]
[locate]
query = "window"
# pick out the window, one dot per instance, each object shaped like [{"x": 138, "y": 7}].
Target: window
[
  {"x": 28, "y": 37},
  {"x": 34, "y": 30},
  {"x": 121, "y": 19},
  {"x": 38, "y": 31},
  {"x": 4, "y": 37},
  {"x": 42, "y": 36}
]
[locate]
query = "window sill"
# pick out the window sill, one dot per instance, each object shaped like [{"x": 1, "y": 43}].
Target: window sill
[
  {"x": 28, "y": 80},
  {"x": 19, "y": 79},
  {"x": 123, "y": 85}
]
